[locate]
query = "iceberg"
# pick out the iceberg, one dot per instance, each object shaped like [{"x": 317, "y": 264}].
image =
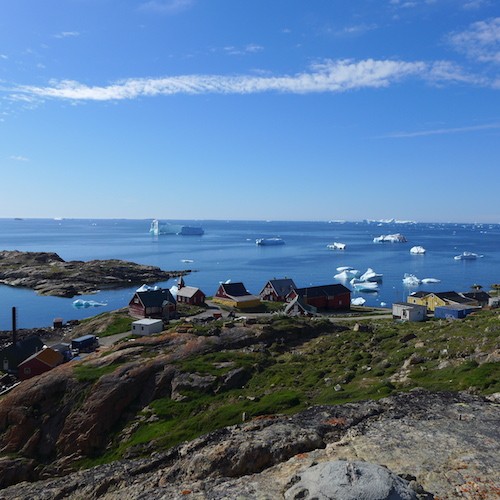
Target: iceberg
[
  {"x": 364, "y": 286},
  {"x": 390, "y": 238},
  {"x": 371, "y": 275},
  {"x": 417, "y": 250},
  {"x": 467, "y": 256},
  {"x": 430, "y": 280},
  {"x": 80, "y": 304},
  {"x": 411, "y": 280},
  {"x": 343, "y": 268},
  {"x": 358, "y": 301},
  {"x": 347, "y": 275},
  {"x": 336, "y": 246},
  {"x": 147, "y": 288}
]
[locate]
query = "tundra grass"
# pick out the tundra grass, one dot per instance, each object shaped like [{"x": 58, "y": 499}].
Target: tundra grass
[{"x": 334, "y": 368}]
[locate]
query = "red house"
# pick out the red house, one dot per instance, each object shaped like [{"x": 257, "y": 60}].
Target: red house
[
  {"x": 40, "y": 362},
  {"x": 189, "y": 294},
  {"x": 277, "y": 290},
  {"x": 326, "y": 297},
  {"x": 157, "y": 304}
]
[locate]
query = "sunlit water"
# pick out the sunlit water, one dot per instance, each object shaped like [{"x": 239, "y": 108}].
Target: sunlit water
[{"x": 227, "y": 251}]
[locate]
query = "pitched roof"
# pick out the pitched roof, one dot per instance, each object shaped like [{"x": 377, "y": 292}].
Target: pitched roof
[
  {"x": 322, "y": 290},
  {"x": 453, "y": 297},
  {"x": 283, "y": 286},
  {"x": 187, "y": 291},
  {"x": 479, "y": 296},
  {"x": 155, "y": 298},
  {"x": 235, "y": 289},
  {"x": 301, "y": 304},
  {"x": 47, "y": 356}
]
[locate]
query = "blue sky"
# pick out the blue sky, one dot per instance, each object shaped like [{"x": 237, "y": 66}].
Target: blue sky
[{"x": 233, "y": 109}]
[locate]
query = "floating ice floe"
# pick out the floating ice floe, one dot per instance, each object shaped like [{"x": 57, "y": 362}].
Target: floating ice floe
[
  {"x": 411, "y": 280},
  {"x": 358, "y": 301},
  {"x": 468, "y": 256},
  {"x": 364, "y": 286},
  {"x": 371, "y": 275},
  {"x": 80, "y": 303},
  {"x": 187, "y": 261},
  {"x": 336, "y": 246},
  {"x": 390, "y": 238},
  {"x": 347, "y": 275},
  {"x": 344, "y": 268},
  {"x": 147, "y": 288},
  {"x": 417, "y": 250},
  {"x": 430, "y": 280}
]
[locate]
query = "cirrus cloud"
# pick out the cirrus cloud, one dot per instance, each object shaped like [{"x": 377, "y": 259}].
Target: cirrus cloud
[{"x": 329, "y": 76}]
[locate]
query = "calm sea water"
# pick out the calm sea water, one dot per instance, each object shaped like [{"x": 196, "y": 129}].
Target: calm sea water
[{"x": 227, "y": 251}]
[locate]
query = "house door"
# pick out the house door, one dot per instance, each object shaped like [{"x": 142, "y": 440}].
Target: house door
[{"x": 5, "y": 364}]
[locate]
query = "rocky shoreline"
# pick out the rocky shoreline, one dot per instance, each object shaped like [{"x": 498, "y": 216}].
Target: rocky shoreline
[{"x": 48, "y": 274}]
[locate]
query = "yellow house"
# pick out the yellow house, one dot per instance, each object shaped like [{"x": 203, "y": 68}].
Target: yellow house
[{"x": 432, "y": 300}]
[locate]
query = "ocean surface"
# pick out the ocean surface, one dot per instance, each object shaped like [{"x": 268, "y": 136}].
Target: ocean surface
[{"x": 227, "y": 251}]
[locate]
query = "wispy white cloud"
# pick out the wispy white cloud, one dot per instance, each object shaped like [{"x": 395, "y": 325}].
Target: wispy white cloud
[
  {"x": 18, "y": 158},
  {"x": 480, "y": 42},
  {"x": 3, "y": 56},
  {"x": 67, "y": 34},
  {"x": 444, "y": 131},
  {"x": 475, "y": 4},
  {"x": 251, "y": 48},
  {"x": 166, "y": 6},
  {"x": 328, "y": 76}
]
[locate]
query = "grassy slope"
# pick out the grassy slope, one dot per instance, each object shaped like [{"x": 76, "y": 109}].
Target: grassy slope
[{"x": 330, "y": 369}]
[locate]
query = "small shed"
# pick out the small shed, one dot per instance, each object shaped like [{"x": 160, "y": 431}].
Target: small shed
[
  {"x": 409, "y": 312},
  {"x": 453, "y": 311},
  {"x": 40, "y": 362},
  {"x": 147, "y": 326}
]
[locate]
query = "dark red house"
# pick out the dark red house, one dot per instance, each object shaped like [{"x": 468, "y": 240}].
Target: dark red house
[
  {"x": 157, "y": 304},
  {"x": 276, "y": 290},
  {"x": 40, "y": 362},
  {"x": 189, "y": 294},
  {"x": 326, "y": 297}
]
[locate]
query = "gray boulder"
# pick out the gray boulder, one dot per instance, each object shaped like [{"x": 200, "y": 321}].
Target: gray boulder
[{"x": 345, "y": 480}]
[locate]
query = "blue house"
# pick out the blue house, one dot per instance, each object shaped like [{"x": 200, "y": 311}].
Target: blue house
[{"x": 454, "y": 311}]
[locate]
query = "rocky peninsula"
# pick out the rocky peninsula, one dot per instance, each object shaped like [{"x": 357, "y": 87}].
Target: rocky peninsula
[{"x": 48, "y": 274}]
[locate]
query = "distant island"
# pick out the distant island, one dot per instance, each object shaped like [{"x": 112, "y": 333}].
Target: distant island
[{"x": 48, "y": 274}]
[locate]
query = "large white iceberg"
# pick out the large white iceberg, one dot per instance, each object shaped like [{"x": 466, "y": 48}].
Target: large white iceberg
[
  {"x": 390, "y": 238},
  {"x": 336, "y": 246},
  {"x": 371, "y": 275},
  {"x": 411, "y": 280},
  {"x": 358, "y": 301},
  {"x": 347, "y": 274},
  {"x": 417, "y": 250},
  {"x": 80, "y": 303},
  {"x": 431, "y": 280}
]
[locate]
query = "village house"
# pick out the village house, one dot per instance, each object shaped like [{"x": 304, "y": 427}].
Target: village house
[
  {"x": 326, "y": 297},
  {"x": 409, "y": 312},
  {"x": 189, "y": 294},
  {"x": 454, "y": 311},
  {"x": 147, "y": 326},
  {"x": 236, "y": 295},
  {"x": 297, "y": 307},
  {"x": 18, "y": 351},
  {"x": 158, "y": 304},
  {"x": 40, "y": 362},
  {"x": 482, "y": 298},
  {"x": 276, "y": 290},
  {"x": 437, "y": 299}
]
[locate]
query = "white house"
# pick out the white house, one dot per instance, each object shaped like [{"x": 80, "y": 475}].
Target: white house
[
  {"x": 409, "y": 312},
  {"x": 147, "y": 326}
]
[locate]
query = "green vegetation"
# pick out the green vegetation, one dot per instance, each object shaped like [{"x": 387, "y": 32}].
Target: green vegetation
[
  {"x": 335, "y": 367},
  {"x": 109, "y": 323},
  {"x": 88, "y": 373}
]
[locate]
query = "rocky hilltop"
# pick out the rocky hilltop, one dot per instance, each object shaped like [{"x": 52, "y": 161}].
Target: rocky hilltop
[
  {"x": 48, "y": 274},
  {"x": 263, "y": 410}
]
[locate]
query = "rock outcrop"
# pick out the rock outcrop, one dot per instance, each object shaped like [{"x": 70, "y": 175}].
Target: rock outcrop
[
  {"x": 418, "y": 445},
  {"x": 49, "y": 274}
]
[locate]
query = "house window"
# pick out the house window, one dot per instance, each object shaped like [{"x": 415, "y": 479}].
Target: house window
[{"x": 27, "y": 371}]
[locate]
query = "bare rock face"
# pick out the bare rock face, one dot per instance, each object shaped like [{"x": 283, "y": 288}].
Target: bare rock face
[
  {"x": 440, "y": 445},
  {"x": 49, "y": 274}
]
